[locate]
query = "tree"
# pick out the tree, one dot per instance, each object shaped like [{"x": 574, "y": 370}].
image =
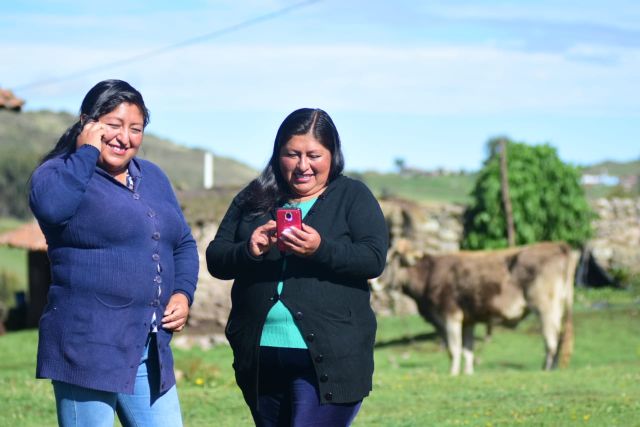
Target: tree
[
  {"x": 400, "y": 164},
  {"x": 15, "y": 170},
  {"x": 547, "y": 200}
]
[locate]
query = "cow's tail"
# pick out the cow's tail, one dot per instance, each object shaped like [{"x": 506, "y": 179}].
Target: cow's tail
[{"x": 567, "y": 337}]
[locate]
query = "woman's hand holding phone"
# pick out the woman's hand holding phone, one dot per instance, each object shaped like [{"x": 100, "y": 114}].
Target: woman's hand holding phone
[
  {"x": 263, "y": 238},
  {"x": 302, "y": 242}
]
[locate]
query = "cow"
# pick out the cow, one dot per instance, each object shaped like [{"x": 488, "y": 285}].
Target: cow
[{"x": 456, "y": 291}]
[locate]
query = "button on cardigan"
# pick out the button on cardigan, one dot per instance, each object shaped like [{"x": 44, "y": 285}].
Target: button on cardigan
[{"x": 105, "y": 243}]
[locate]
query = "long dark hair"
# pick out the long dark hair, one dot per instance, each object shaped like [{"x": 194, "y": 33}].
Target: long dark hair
[
  {"x": 103, "y": 98},
  {"x": 269, "y": 189}
]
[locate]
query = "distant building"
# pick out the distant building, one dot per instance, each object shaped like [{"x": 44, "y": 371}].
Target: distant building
[
  {"x": 30, "y": 237},
  {"x": 9, "y": 101},
  {"x": 600, "y": 179},
  {"x": 629, "y": 182}
]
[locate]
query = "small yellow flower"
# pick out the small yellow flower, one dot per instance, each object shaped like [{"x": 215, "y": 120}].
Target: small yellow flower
[
  {"x": 199, "y": 381},
  {"x": 586, "y": 417}
]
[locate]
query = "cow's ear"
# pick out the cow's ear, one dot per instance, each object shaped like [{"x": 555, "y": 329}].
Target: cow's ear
[
  {"x": 407, "y": 259},
  {"x": 511, "y": 261}
]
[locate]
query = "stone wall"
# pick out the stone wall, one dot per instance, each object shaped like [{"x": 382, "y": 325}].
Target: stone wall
[
  {"x": 438, "y": 229},
  {"x": 208, "y": 315},
  {"x": 616, "y": 240},
  {"x": 431, "y": 228}
]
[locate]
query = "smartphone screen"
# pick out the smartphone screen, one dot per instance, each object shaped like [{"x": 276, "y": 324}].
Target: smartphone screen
[{"x": 287, "y": 218}]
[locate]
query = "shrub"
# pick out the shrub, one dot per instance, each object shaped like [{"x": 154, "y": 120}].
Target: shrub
[{"x": 547, "y": 200}]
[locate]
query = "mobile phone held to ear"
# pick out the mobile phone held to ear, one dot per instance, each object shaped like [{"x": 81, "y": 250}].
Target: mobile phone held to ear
[{"x": 285, "y": 219}]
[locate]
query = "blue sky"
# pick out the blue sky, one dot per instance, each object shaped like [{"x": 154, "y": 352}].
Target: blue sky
[{"x": 426, "y": 81}]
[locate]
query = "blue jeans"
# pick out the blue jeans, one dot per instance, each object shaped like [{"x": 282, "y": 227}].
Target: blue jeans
[{"x": 79, "y": 406}]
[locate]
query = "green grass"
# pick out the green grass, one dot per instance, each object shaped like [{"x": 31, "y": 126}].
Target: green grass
[
  {"x": 13, "y": 266},
  {"x": 8, "y": 224},
  {"x": 14, "y": 261},
  {"x": 446, "y": 189},
  {"x": 614, "y": 168},
  {"x": 594, "y": 192},
  {"x": 411, "y": 384}
]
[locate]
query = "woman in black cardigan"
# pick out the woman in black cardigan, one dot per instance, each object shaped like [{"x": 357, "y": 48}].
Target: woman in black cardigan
[{"x": 301, "y": 326}]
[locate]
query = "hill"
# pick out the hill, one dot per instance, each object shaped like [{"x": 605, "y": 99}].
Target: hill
[
  {"x": 444, "y": 188},
  {"x": 614, "y": 168},
  {"x": 626, "y": 174},
  {"x": 37, "y": 132},
  {"x": 456, "y": 188},
  {"x": 26, "y": 137}
]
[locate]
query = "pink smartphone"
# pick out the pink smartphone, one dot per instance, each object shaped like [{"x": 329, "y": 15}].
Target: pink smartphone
[{"x": 287, "y": 218}]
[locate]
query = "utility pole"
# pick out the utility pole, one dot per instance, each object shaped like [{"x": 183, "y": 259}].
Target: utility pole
[
  {"x": 506, "y": 200},
  {"x": 208, "y": 170}
]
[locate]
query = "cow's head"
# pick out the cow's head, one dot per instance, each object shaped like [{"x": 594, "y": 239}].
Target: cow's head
[{"x": 400, "y": 258}]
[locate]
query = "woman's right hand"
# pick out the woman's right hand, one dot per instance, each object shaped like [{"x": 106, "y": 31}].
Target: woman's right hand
[
  {"x": 262, "y": 239},
  {"x": 91, "y": 134}
]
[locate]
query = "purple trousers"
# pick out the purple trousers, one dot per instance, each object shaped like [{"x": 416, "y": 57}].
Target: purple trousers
[{"x": 288, "y": 393}]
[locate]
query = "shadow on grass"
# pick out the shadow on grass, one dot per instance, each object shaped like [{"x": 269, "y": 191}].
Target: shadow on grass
[
  {"x": 511, "y": 366},
  {"x": 432, "y": 336}
]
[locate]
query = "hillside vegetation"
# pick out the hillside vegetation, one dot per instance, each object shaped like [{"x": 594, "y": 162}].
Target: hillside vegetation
[
  {"x": 421, "y": 188},
  {"x": 26, "y": 137},
  {"x": 614, "y": 168}
]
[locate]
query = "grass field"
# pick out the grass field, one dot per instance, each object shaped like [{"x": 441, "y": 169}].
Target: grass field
[
  {"x": 14, "y": 261},
  {"x": 411, "y": 384},
  {"x": 445, "y": 189},
  {"x": 13, "y": 266}
]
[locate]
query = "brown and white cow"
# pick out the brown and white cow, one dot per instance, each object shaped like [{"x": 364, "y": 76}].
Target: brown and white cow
[{"x": 456, "y": 291}]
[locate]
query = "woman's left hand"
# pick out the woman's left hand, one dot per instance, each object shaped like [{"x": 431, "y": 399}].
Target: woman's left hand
[
  {"x": 176, "y": 313},
  {"x": 303, "y": 242}
]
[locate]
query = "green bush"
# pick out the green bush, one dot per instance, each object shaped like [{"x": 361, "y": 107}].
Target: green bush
[
  {"x": 547, "y": 200},
  {"x": 15, "y": 170},
  {"x": 627, "y": 278},
  {"x": 9, "y": 285}
]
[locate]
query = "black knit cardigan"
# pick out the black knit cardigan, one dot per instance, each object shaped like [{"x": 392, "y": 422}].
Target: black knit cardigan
[{"x": 327, "y": 293}]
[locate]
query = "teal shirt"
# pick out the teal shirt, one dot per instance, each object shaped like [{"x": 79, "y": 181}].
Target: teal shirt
[{"x": 280, "y": 330}]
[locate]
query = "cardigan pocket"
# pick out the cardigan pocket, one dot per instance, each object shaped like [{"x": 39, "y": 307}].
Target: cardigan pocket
[
  {"x": 233, "y": 329},
  {"x": 101, "y": 330},
  {"x": 114, "y": 301},
  {"x": 51, "y": 323},
  {"x": 336, "y": 314},
  {"x": 236, "y": 331}
]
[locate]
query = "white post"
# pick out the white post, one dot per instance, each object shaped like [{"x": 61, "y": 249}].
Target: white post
[{"x": 208, "y": 170}]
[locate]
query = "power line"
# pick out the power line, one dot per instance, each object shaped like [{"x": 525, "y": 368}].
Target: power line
[{"x": 217, "y": 33}]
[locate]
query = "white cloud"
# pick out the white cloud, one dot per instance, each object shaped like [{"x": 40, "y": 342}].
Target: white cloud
[
  {"x": 620, "y": 13},
  {"x": 420, "y": 80},
  {"x": 429, "y": 81}
]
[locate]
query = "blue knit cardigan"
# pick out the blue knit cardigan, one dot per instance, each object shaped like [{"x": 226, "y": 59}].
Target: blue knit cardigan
[{"x": 109, "y": 249}]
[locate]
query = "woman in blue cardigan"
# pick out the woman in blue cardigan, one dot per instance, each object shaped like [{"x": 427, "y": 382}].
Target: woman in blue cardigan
[
  {"x": 124, "y": 268},
  {"x": 301, "y": 327}
]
